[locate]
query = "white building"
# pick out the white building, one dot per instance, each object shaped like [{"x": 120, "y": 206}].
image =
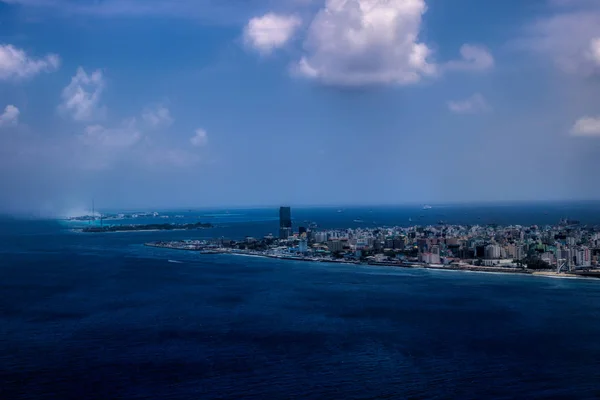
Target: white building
[
  {"x": 303, "y": 246},
  {"x": 320, "y": 237},
  {"x": 492, "y": 252}
]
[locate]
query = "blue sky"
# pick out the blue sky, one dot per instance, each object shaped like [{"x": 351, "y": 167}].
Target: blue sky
[{"x": 156, "y": 103}]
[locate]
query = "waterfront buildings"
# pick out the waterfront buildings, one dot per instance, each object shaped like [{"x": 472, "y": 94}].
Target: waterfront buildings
[
  {"x": 575, "y": 247},
  {"x": 560, "y": 247}
]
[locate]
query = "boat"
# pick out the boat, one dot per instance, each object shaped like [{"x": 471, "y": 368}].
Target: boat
[
  {"x": 426, "y": 207},
  {"x": 358, "y": 220}
]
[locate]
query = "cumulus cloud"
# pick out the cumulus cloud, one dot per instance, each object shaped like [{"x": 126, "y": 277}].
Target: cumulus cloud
[
  {"x": 10, "y": 116},
  {"x": 365, "y": 42},
  {"x": 568, "y": 36},
  {"x": 15, "y": 64},
  {"x": 81, "y": 98},
  {"x": 104, "y": 138},
  {"x": 103, "y": 148},
  {"x": 270, "y": 32},
  {"x": 132, "y": 142},
  {"x": 587, "y": 126},
  {"x": 474, "y": 58},
  {"x": 474, "y": 104},
  {"x": 156, "y": 117},
  {"x": 200, "y": 138}
]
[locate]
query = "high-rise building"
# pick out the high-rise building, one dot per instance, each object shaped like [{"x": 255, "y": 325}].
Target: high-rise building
[
  {"x": 435, "y": 255},
  {"x": 320, "y": 237},
  {"x": 285, "y": 217},
  {"x": 285, "y": 233},
  {"x": 480, "y": 251},
  {"x": 285, "y": 222},
  {"x": 582, "y": 257},
  {"x": 335, "y": 245},
  {"x": 492, "y": 252}
]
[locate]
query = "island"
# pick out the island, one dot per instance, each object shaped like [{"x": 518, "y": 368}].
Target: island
[
  {"x": 567, "y": 249},
  {"x": 147, "y": 227}
]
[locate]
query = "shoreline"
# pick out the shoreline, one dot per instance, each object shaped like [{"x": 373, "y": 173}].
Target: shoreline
[
  {"x": 472, "y": 269},
  {"x": 83, "y": 230},
  {"x": 80, "y": 230}
]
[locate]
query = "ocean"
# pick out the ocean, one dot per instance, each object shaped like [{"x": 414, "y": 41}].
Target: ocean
[{"x": 100, "y": 316}]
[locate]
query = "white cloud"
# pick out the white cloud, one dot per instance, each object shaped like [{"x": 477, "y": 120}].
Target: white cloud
[
  {"x": 104, "y": 138},
  {"x": 157, "y": 117},
  {"x": 594, "y": 51},
  {"x": 587, "y": 126},
  {"x": 200, "y": 138},
  {"x": 82, "y": 96},
  {"x": 567, "y": 36},
  {"x": 366, "y": 42},
  {"x": 270, "y": 32},
  {"x": 474, "y": 58},
  {"x": 10, "y": 116},
  {"x": 16, "y": 64},
  {"x": 472, "y": 105}
]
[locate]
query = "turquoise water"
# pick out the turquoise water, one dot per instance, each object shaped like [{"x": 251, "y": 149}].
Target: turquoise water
[{"x": 102, "y": 317}]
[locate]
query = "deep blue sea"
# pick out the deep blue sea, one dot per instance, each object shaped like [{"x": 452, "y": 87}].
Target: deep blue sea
[{"x": 100, "y": 316}]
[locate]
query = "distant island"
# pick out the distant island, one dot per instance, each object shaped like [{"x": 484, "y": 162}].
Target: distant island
[
  {"x": 148, "y": 227},
  {"x": 105, "y": 217}
]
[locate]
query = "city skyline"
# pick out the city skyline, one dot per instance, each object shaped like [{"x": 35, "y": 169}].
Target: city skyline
[
  {"x": 565, "y": 248},
  {"x": 200, "y": 105}
]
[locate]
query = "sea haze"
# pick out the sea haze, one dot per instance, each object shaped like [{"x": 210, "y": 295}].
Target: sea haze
[{"x": 100, "y": 316}]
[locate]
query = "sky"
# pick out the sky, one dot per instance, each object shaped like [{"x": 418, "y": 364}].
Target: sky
[{"x": 204, "y": 103}]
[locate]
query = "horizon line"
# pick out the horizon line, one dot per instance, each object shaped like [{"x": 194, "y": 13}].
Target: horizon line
[{"x": 500, "y": 203}]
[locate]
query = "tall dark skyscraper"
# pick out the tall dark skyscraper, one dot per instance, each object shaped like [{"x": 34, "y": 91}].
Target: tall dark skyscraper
[
  {"x": 285, "y": 217},
  {"x": 285, "y": 222}
]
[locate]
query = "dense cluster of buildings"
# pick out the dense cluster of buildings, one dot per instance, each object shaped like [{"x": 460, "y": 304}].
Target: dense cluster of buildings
[{"x": 565, "y": 246}]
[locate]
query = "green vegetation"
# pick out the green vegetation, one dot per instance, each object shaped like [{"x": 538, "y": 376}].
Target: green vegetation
[{"x": 535, "y": 263}]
